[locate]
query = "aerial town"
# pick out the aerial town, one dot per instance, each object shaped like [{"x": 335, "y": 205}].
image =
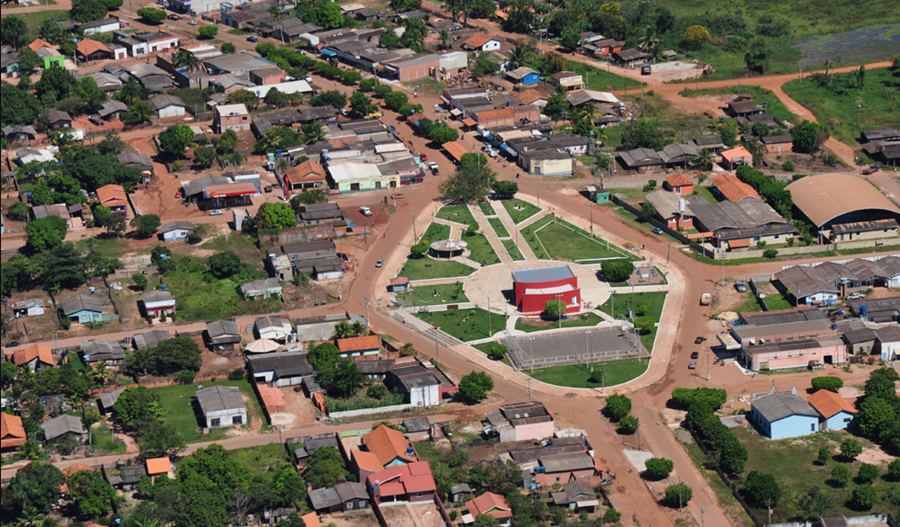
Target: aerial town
[{"x": 468, "y": 263}]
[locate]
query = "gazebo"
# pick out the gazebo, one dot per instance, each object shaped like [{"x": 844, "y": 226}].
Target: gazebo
[
  {"x": 448, "y": 248},
  {"x": 262, "y": 346}
]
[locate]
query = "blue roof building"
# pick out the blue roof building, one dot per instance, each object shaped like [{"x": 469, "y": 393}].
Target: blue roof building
[{"x": 783, "y": 414}]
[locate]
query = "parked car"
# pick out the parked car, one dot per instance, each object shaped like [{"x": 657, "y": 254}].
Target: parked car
[
  {"x": 397, "y": 195},
  {"x": 365, "y": 211},
  {"x": 423, "y": 157},
  {"x": 252, "y": 38},
  {"x": 192, "y": 22},
  {"x": 217, "y": 212},
  {"x": 392, "y": 130},
  {"x": 173, "y": 17},
  {"x": 12, "y": 344},
  {"x": 741, "y": 286},
  {"x": 692, "y": 365},
  {"x": 379, "y": 263},
  {"x": 870, "y": 170},
  {"x": 695, "y": 355},
  {"x": 178, "y": 194},
  {"x": 657, "y": 231},
  {"x": 856, "y": 296},
  {"x": 699, "y": 340},
  {"x": 704, "y": 299},
  {"x": 434, "y": 168}
]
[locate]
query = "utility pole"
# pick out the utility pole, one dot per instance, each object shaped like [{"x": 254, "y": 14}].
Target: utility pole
[
  {"x": 490, "y": 326},
  {"x": 437, "y": 350},
  {"x": 367, "y": 312},
  {"x": 415, "y": 236},
  {"x": 668, "y": 250},
  {"x": 529, "y": 389},
  {"x": 707, "y": 363},
  {"x": 639, "y": 433}
]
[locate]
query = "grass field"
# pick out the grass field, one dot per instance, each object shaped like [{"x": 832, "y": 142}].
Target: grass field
[
  {"x": 557, "y": 240},
  {"x": 530, "y": 325},
  {"x": 485, "y": 347},
  {"x": 631, "y": 219},
  {"x": 577, "y": 375},
  {"x": 426, "y": 268},
  {"x": 436, "y": 231},
  {"x": 259, "y": 459},
  {"x": 466, "y": 324},
  {"x": 705, "y": 193},
  {"x": 498, "y": 227},
  {"x": 775, "y": 108},
  {"x": 480, "y": 249},
  {"x": 519, "y": 210},
  {"x": 622, "y": 302},
  {"x": 425, "y": 295},
  {"x": 199, "y": 299},
  {"x": 34, "y": 19},
  {"x": 241, "y": 244},
  {"x": 513, "y": 250},
  {"x": 104, "y": 245},
  {"x": 880, "y": 98},
  {"x": 800, "y": 456},
  {"x": 177, "y": 401},
  {"x": 486, "y": 208},
  {"x": 600, "y": 80},
  {"x": 457, "y": 213}
]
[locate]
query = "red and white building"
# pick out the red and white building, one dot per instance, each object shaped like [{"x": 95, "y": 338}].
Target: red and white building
[
  {"x": 113, "y": 196},
  {"x": 156, "y": 302},
  {"x": 410, "y": 483},
  {"x": 534, "y": 287}
]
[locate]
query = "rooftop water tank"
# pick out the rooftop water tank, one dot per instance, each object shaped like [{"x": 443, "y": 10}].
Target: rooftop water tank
[
  {"x": 164, "y": 287},
  {"x": 862, "y": 311}
]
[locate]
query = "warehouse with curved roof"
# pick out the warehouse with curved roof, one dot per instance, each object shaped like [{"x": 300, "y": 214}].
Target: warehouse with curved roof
[{"x": 844, "y": 203}]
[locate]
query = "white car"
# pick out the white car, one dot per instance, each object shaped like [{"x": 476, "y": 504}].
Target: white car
[
  {"x": 217, "y": 212},
  {"x": 192, "y": 22},
  {"x": 365, "y": 211},
  {"x": 433, "y": 167}
]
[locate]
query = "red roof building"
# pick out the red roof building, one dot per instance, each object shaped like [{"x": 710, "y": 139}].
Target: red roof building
[
  {"x": 364, "y": 464},
  {"x": 492, "y": 505},
  {"x": 389, "y": 446},
  {"x": 481, "y": 42},
  {"x": 12, "y": 433},
  {"x": 359, "y": 346},
  {"x": 113, "y": 196},
  {"x": 37, "y": 357},
  {"x": 680, "y": 184},
  {"x": 534, "y": 287},
  {"x": 412, "y": 483}
]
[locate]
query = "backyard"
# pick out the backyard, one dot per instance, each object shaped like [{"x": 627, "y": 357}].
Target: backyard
[
  {"x": 429, "y": 295},
  {"x": 601, "y": 80},
  {"x": 578, "y": 375},
  {"x": 456, "y": 213},
  {"x": 530, "y": 325},
  {"x": 465, "y": 324},
  {"x": 552, "y": 238},
  {"x": 200, "y": 299},
  {"x": 178, "y": 403},
  {"x": 761, "y": 96},
  {"x": 519, "y": 210}
]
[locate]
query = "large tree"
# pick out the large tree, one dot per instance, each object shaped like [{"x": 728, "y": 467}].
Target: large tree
[
  {"x": 276, "y": 215},
  {"x": 763, "y": 488},
  {"x": 88, "y": 10},
  {"x": 45, "y": 233},
  {"x": 19, "y": 107},
  {"x": 137, "y": 407},
  {"x": 91, "y": 493},
  {"x": 35, "y": 486},
  {"x": 160, "y": 440},
  {"x": 13, "y": 31},
  {"x": 468, "y": 183},
  {"x": 245, "y": 97},
  {"x": 618, "y": 406},
  {"x": 175, "y": 139},
  {"x": 151, "y": 15},
  {"x": 145, "y": 224},
  {"x": 474, "y": 386},
  {"x": 325, "y": 468}
]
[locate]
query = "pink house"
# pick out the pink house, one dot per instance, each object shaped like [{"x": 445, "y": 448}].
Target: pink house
[{"x": 521, "y": 422}]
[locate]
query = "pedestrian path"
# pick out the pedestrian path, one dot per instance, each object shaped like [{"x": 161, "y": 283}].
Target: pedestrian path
[
  {"x": 513, "y": 230},
  {"x": 489, "y": 233}
]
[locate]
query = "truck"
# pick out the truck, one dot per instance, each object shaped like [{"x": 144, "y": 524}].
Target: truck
[
  {"x": 870, "y": 170},
  {"x": 704, "y": 299}
]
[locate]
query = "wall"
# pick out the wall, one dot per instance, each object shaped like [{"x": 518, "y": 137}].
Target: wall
[
  {"x": 836, "y": 422},
  {"x": 798, "y": 358},
  {"x": 551, "y": 167},
  {"x": 805, "y": 250},
  {"x": 370, "y": 411},
  {"x": 530, "y": 431}
]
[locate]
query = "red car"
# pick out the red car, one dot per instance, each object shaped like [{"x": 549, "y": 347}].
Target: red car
[
  {"x": 423, "y": 157},
  {"x": 178, "y": 194}
]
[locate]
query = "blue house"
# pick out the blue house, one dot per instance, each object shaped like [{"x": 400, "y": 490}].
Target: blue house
[
  {"x": 82, "y": 309},
  {"x": 783, "y": 414},
  {"x": 834, "y": 411},
  {"x": 523, "y": 76}
]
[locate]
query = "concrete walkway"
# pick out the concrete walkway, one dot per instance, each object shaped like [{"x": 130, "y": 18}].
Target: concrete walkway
[
  {"x": 489, "y": 233},
  {"x": 513, "y": 230}
]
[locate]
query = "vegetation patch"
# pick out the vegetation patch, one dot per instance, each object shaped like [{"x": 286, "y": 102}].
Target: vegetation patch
[
  {"x": 530, "y": 325},
  {"x": 426, "y": 268},
  {"x": 430, "y": 295},
  {"x": 182, "y": 410},
  {"x": 578, "y": 375},
  {"x": 480, "y": 249},
  {"x": 761, "y": 96},
  {"x": 512, "y": 250},
  {"x": 465, "y": 324},
  {"x": 498, "y": 227},
  {"x": 457, "y": 213},
  {"x": 519, "y": 210}
]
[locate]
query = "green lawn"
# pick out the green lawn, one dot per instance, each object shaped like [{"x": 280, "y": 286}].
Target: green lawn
[
  {"x": 105, "y": 246},
  {"x": 177, "y": 401},
  {"x": 705, "y": 193},
  {"x": 530, "y": 325},
  {"x": 777, "y": 302},
  {"x": 485, "y": 347},
  {"x": 426, "y": 268},
  {"x": 480, "y": 249},
  {"x": 577, "y": 375},
  {"x": 804, "y": 473},
  {"x": 513, "y": 250},
  {"x": 654, "y": 302},
  {"x": 465, "y": 324},
  {"x": 486, "y": 208},
  {"x": 631, "y": 219},
  {"x": 562, "y": 240},
  {"x": 34, "y": 19},
  {"x": 519, "y": 210},
  {"x": 880, "y": 98},
  {"x": 101, "y": 437},
  {"x": 598, "y": 79},
  {"x": 425, "y": 295},
  {"x": 760, "y": 96},
  {"x": 199, "y": 299},
  {"x": 457, "y": 213},
  {"x": 259, "y": 459},
  {"x": 194, "y": 98},
  {"x": 436, "y": 231},
  {"x": 498, "y": 227}
]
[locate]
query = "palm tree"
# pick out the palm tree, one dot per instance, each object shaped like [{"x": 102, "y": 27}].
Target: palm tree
[
  {"x": 76, "y": 401},
  {"x": 282, "y": 165},
  {"x": 343, "y": 330},
  {"x": 454, "y": 6},
  {"x": 358, "y": 328},
  {"x": 30, "y": 518},
  {"x": 313, "y": 133},
  {"x": 14, "y": 396},
  {"x": 186, "y": 59},
  {"x": 590, "y": 111},
  {"x": 520, "y": 54},
  {"x": 650, "y": 40},
  {"x": 656, "y": 54},
  {"x": 704, "y": 160},
  {"x": 444, "y": 39}
]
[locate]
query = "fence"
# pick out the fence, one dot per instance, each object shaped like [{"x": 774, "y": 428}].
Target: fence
[
  {"x": 371, "y": 411},
  {"x": 809, "y": 249},
  {"x": 762, "y": 302},
  {"x": 868, "y": 519},
  {"x": 597, "y": 356}
]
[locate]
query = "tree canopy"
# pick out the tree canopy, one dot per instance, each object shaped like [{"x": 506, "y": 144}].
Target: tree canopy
[
  {"x": 474, "y": 386},
  {"x": 468, "y": 183}
]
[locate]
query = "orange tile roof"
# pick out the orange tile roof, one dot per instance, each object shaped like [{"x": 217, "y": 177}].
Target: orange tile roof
[
  {"x": 88, "y": 46},
  {"x": 311, "y": 520},
  {"x": 455, "y": 150},
  {"x": 491, "y": 504},
  {"x": 12, "y": 433},
  {"x": 112, "y": 194},
  {"x": 159, "y": 465},
  {"x": 737, "y": 244},
  {"x": 733, "y": 188},
  {"x": 366, "y": 460},
  {"x": 529, "y": 96},
  {"x": 306, "y": 171},
  {"x": 400, "y": 280},
  {"x": 476, "y": 41},
  {"x": 829, "y": 403},
  {"x": 76, "y": 468},
  {"x": 388, "y": 444},
  {"x": 468, "y": 121},
  {"x": 679, "y": 180},
  {"x": 738, "y": 151},
  {"x": 358, "y": 343},
  {"x": 37, "y": 44},
  {"x": 37, "y": 351},
  {"x": 489, "y": 114}
]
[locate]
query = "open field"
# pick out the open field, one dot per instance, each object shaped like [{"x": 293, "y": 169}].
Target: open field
[
  {"x": 199, "y": 299},
  {"x": 426, "y": 268},
  {"x": 178, "y": 402},
  {"x": 598, "y": 79},
  {"x": 551, "y": 239},
  {"x": 480, "y": 249},
  {"x": 457, "y": 213},
  {"x": 241, "y": 244},
  {"x": 530, "y": 325},
  {"x": 836, "y": 107},
  {"x": 760, "y": 96},
  {"x": 262, "y": 458},
  {"x": 498, "y": 227},
  {"x": 577, "y": 375},
  {"x": 429, "y": 295},
  {"x": 465, "y": 324},
  {"x": 519, "y": 210}
]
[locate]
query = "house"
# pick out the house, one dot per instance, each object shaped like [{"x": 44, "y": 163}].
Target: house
[
  {"x": 777, "y": 144},
  {"x": 363, "y": 464},
  {"x": 743, "y": 107},
  {"x": 344, "y": 497},
  {"x": 533, "y": 97},
  {"x": 629, "y": 57},
  {"x": 738, "y": 225},
  {"x": 679, "y": 184},
  {"x": 222, "y": 333},
  {"x": 577, "y": 496},
  {"x": 231, "y": 117},
  {"x": 881, "y": 134},
  {"x": 268, "y": 288},
  {"x": 104, "y": 25},
  {"x": 167, "y": 105},
  {"x": 603, "y": 47},
  {"x": 29, "y": 308},
  {"x": 12, "y": 432},
  {"x": 417, "y": 382},
  {"x": 322, "y": 213},
  {"x": 411, "y": 68},
  {"x": 417, "y": 428},
  {"x": 319, "y": 259},
  {"x": 113, "y": 197},
  {"x": 306, "y": 175},
  {"x": 735, "y": 157},
  {"x": 267, "y": 75},
  {"x": 567, "y": 81},
  {"x": 782, "y": 414},
  {"x": 88, "y": 50},
  {"x": 359, "y": 346},
  {"x": 159, "y": 466},
  {"x": 222, "y": 406},
  {"x": 671, "y": 209},
  {"x": 108, "y": 400},
  {"x": 128, "y": 476},
  {"x": 156, "y": 302},
  {"x": 112, "y": 109},
  {"x": 806, "y": 285},
  {"x": 732, "y": 188},
  {"x": 641, "y": 160},
  {"x": 481, "y": 42},
  {"x": 677, "y": 154},
  {"x": 58, "y": 119},
  {"x": 519, "y": 422},
  {"x": 36, "y": 357},
  {"x": 399, "y": 284},
  {"x": 493, "y": 505},
  {"x": 280, "y": 369},
  {"x": 82, "y": 309},
  {"x": 106, "y": 351},
  {"x": 136, "y": 161},
  {"x": 19, "y": 134},
  {"x": 835, "y": 413},
  {"x": 858, "y": 337},
  {"x": 62, "y": 427},
  {"x": 403, "y": 483},
  {"x": 150, "y": 339},
  {"x": 523, "y": 76},
  {"x": 887, "y": 342},
  {"x": 176, "y": 230},
  {"x": 389, "y": 446},
  {"x": 460, "y": 492},
  {"x": 272, "y": 328},
  {"x": 108, "y": 82},
  {"x": 563, "y": 469},
  {"x": 377, "y": 369}
]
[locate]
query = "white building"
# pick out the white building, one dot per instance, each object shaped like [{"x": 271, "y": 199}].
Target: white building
[
  {"x": 297, "y": 86},
  {"x": 104, "y": 25},
  {"x": 222, "y": 406},
  {"x": 887, "y": 339},
  {"x": 422, "y": 388},
  {"x": 167, "y": 106},
  {"x": 176, "y": 230},
  {"x": 231, "y": 117},
  {"x": 273, "y": 328},
  {"x": 29, "y": 308}
]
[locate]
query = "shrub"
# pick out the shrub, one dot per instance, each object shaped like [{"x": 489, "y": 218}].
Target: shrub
[
  {"x": 840, "y": 476},
  {"x": 867, "y": 474},
  {"x": 770, "y": 253},
  {"x": 832, "y": 384},
  {"x": 65, "y": 322},
  {"x": 850, "y": 448},
  {"x": 618, "y": 406},
  {"x": 824, "y": 455},
  {"x": 629, "y": 424},
  {"x": 453, "y": 515},
  {"x": 864, "y": 497},
  {"x": 679, "y": 494},
  {"x": 894, "y": 470},
  {"x": 185, "y": 376},
  {"x": 236, "y": 374},
  {"x": 659, "y": 468},
  {"x": 377, "y": 391},
  {"x": 788, "y": 166},
  {"x": 612, "y": 516}
]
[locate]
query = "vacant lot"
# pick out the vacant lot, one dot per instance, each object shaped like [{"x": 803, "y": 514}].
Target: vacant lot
[
  {"x": 201, "y": 299},
  {"x": 457, "y": 213},
  {"x": 262, "y": 458},
  {"x": 429, "y": 295},
  {"x": 179, "y": 403},
  {"x": 577, "y": 375},
  {"x": 519, "y": 210},
  {"x": 600, "y": 80},
  {"x": 465, "y": 324}
]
